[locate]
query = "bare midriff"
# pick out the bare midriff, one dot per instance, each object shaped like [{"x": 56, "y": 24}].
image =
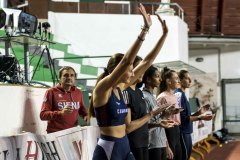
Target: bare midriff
[{"x": 114, "y": 131}]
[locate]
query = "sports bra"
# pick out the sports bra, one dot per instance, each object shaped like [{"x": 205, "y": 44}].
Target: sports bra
[{"x": 113, "y": 113}]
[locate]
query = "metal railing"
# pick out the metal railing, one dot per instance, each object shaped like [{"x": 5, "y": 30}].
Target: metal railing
[
  {"x": 116, "y": 7},
  {"x": 55, "y": 77}
]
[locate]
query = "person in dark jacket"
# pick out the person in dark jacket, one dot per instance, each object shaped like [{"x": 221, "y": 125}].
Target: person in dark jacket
[{"x": 186, "y": 127}]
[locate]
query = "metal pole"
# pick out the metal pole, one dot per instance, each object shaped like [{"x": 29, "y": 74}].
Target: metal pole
[
  {"x": 3, "y": 4},
  {"x": 26, "y": 62},
  {"x": 7, "y": 47}
]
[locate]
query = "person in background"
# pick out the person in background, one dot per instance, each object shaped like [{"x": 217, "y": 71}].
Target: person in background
[
  {"x": 186, "y": 127},
  {"x": 134, "y": 98},
  {"x": 169, "y": 83},
  {"x": 138, "y": 139},
  {"x": 63, "y": 103},
  {"x": 158, "y": 146},
  {"x": 107, "y": 103}
]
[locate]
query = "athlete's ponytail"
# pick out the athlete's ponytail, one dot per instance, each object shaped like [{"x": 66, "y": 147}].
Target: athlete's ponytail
[
  {"x": 166, "y": 74},
  {"x": 90, "y": 110}
]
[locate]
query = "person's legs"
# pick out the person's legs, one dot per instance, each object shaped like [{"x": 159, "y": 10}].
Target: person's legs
[
  {"x": 140, "y": 153},
  {"x": 130, "y": 156},
  {"x": 137, "y": 152},
  {"x": 178, "y": 150},
  {"x": 145, "y": 153},
  {"x": 173, "y": 137},
  {"x": 155, "y": 154},
  {"x": 163, "y": 154},
  {"x": 99, "y": 154},
  {"x": 186, "y": 145},
  {"x": 189, "y": 145},
  {"x": 111, "y": 148}
]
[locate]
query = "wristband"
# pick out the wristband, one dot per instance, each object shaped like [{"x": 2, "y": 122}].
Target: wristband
[{"x": 145, "y": 28}]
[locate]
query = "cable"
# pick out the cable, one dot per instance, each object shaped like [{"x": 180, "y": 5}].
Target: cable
[
  {"x": 35, "y": 51},
  {"x": 19, "y": 71},
  {"x": 6, "y": 75}
]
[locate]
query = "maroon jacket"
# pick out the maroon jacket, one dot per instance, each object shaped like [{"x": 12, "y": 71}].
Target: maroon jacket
[{"x": 54, "y": 101}]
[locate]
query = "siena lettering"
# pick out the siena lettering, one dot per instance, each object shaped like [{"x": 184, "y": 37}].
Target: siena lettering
[{"x": 74, "y": 105}]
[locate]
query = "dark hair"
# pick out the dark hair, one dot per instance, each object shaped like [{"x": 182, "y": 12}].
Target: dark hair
[
  {"x": 166, "y": 74},
  {"x": 114, "y": 61},
  {"x": 149, "y": 73},
  {"x": 137, "y": 60},
  {"x": 66, "y": 68},
  {"x": 112, "y": 64},
  {"x": 181, "y": 74}
]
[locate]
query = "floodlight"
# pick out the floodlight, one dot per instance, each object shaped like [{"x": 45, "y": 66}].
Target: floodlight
[
  {"x": 27, "y": 23},
  {"x": 11, "y": 19},
  {"x": 2, "y": 18},
  {"x": 15, "y": 21}
]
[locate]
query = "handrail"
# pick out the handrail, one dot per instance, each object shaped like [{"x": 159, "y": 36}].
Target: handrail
[
  {"x": 178, "y": 9},
  {"x": 73, "y": 57}
]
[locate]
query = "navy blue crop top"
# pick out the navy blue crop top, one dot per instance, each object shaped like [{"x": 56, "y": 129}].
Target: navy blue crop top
[{"x": 113, "y": 113}]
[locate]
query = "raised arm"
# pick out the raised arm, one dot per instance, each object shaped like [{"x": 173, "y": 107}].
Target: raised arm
[
  {"x": 113, "y": 78},
  {"x": 148, "y": 60}
]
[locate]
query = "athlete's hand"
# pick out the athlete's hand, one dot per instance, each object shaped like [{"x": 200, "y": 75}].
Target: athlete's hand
[
  {"x": 170, "y": 111},
  {"x": 204, "y": 108},
  {"x": 206, "y": 117},
  {"x": 146, "y": 16},
  {"x": 167, "y": 123},
  {"x": 163, "y": 23},
  {"x": 156, "y": 111}
]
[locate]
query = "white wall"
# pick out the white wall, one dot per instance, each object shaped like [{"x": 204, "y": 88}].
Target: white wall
[
  {"x": 210, "y": 62},
  {"x": 106, "y": 34},
  {"x": 229, "y": 60},
  {"x": 223, "y": 60}
]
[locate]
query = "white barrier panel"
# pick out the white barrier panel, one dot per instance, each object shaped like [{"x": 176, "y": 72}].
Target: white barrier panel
[
  {"x": 20, "y": 108},
  {"x": 201, "y": 130},
  {"x": 72, "y": 144}
]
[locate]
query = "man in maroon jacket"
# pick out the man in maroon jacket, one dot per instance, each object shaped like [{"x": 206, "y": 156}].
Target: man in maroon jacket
[{"x": 63, "y": 103}]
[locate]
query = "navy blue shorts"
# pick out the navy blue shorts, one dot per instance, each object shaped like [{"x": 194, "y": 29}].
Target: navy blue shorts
[{"x": 112, "y": 148}]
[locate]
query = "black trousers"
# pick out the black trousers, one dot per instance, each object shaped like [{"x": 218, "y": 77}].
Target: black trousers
[
  {"x": 186, "y": 145},
  {"x": 173, "y": 137},
  {"x": 157, "y": 154},
  {"x": 140, "y": 153}
]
